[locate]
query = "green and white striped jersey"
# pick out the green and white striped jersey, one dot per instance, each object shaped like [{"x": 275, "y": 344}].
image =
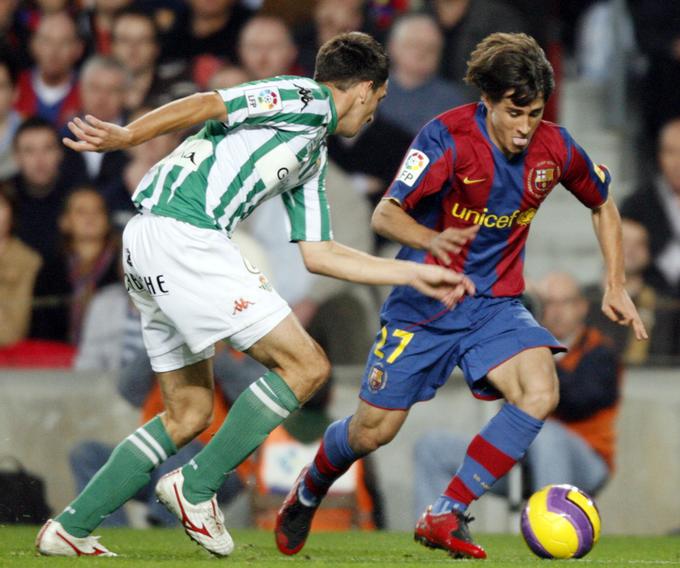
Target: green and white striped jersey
[{"x": 274, "y": 142}]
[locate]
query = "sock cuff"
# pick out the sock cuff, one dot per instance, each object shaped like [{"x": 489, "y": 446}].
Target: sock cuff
[
  {"x": 516, "y": 413},
  {"x": 155, "y": 430},
  {"x": 336, "y": 444},
  {"x": 276, "y": 386}
]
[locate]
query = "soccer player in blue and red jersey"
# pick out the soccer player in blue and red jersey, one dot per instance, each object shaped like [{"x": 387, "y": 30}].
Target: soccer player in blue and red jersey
[{"x": 467, "y": 191}]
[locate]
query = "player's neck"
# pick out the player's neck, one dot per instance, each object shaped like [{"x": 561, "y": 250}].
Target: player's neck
[{"x": 343, "y": 100}]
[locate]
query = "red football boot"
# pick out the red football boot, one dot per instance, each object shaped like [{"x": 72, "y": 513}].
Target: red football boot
[
  {"x": 294, "y": 520},
  {"x": 448, "y": 531}
]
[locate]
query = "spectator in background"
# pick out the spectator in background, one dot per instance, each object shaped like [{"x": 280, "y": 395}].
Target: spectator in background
[
  {"x": 50, "y": 89},
  {"x": 19, "y": 265},
  {"x": 88, "y": 261},
  {"x": 211, "y": 27},
  {"x": 96, "y": 23},
  {"x": 577, "y": 444},
  {"x": 659, "y": 313},
  {"x": 464, "y": 24},
  {"x": 266, "y": 48},
  {"x": 657, "y": 30},
  {"x": 102, "y": 93},
  {"x": 40, "y": 185},
  {"x": 228, "y": 76},
  {"x": 9, "y": 118},
  {"x": 136, "y": 46},
  {"x": 656, "y": 206},
  {"x": 416, "y": 93},
  {"x": 331, "y": 17},
  {"x": 13, "y": 35}
]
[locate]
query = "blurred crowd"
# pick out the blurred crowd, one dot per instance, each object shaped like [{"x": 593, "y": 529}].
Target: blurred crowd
[
  {"x": 62, "y": 300},
  {"x": 61, "y": 212}
]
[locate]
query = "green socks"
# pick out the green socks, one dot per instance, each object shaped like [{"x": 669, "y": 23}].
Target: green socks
[
  {"x": 121, "y": 477},
  {"x": 259, "y": 409}
]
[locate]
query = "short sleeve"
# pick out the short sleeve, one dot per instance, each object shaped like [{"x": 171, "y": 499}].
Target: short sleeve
[
  {"x": 428, "y": 164},
  {"x": 589, "y": 182},
  {"x": 307, "y": 206},
  {"x": 295, "y": 103}
]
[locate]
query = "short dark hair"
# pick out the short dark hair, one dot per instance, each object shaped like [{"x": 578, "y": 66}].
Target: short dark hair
[
  {"x": 350, "y": 58},
  {"x": 510, "y": 61},
  {"x": 34, "y": 123}
]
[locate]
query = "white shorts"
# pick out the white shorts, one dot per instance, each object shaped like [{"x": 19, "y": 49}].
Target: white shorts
[{"x": 193, "y": 288}]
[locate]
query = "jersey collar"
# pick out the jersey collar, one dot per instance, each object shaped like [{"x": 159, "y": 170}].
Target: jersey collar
[{"x": 333, "y": 124}]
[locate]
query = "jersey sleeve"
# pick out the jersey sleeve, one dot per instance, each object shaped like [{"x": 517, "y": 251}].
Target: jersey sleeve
[
  {"x": 428, "y": 164},
  {"x": 309, "y": 215},
  {"x": 295, "y": 103},
  {"x": 589, "y": 182}
]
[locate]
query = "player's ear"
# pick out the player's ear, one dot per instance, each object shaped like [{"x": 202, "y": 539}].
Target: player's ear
[
  {"x": 486, "y": 102},
  {"x": 365, "y": 88}
]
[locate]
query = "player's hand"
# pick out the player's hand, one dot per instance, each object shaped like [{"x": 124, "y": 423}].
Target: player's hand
[
  {"x": 95, "y": 135},
  {"x": 451, "y": 241},
  {"x": 618, "y": 307},
  {"x": 442, "y": 284}
]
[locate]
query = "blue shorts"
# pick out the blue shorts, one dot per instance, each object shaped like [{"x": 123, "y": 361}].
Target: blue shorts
[{"x": 409, "y": 362}]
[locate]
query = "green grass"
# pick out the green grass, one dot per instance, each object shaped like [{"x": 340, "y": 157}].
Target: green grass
[{"x": 171, "y": 548}]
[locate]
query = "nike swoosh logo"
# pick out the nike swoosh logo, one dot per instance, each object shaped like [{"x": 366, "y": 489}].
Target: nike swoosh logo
[{"x": 468, "y": 181}]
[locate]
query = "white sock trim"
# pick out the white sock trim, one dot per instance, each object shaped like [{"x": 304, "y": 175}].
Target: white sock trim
[
  {"x": 268, "y": 402},
  {"x": 153, "y": 443},
  {"x": 142, "y": 447}
]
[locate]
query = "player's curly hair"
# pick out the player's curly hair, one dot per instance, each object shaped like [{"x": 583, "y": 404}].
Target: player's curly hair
[
  {"x": 510, "y": 61},
  {"x": 350, "y": 58}
]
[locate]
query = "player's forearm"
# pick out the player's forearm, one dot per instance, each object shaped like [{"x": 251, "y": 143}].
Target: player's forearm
[
  {"x": 177, "y": 115},
  {"x": 607, "y": 224},
  {"x": 392, "y": 222},
  {"x": 345, "y": 263}
]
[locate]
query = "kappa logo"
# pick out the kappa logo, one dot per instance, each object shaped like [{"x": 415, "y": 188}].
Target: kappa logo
[
  {"x": 241, "y": 305},
  {"x": 263, "y": 100},
  {"x": 306, "y": 96},
  {"x": 414, "y": 164}
]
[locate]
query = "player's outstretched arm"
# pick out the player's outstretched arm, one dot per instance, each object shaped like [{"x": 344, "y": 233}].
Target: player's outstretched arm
[
  {"x": 392, "y": 222},
  {"x": 339, "y": 261},
  {"x": 616, "y": 303},
  {"x": 94, "y": 135}
]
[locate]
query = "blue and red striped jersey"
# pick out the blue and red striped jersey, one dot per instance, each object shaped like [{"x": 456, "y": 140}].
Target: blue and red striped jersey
[{"x": 453, "y": 175}]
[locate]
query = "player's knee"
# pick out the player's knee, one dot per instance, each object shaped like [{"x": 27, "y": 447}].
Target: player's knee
[
  {"x": 314, "y": 372},
  {"x": 541, "y": 402}
]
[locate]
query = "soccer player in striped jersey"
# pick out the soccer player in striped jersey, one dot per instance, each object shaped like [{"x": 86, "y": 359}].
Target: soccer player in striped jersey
[
  {"x": 465, "y": 196},
  {"x": 193, "y": 287}
]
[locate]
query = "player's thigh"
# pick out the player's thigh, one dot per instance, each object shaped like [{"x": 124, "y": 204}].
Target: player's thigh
[
  {"x": 291, "y": 352},
  {"x": 372, "y": 427},
  {"x": 528, "y": 374}
]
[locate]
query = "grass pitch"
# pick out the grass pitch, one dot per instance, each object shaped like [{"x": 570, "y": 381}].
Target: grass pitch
[{"x": 170, "y": 548}]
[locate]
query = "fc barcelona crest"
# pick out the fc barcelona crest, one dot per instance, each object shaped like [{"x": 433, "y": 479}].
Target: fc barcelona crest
[
  {"x": 543, "y": 178},
  {"x": 377, "y": 379}
]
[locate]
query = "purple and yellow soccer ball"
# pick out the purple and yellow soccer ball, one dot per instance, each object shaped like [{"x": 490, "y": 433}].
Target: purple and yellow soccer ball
[{"x": 560, "y": 521}]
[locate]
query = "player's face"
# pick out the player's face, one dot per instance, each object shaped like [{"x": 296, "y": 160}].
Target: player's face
[
  {"x": 363, "y": 109},
  {"x": 510, "y": 126}
]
